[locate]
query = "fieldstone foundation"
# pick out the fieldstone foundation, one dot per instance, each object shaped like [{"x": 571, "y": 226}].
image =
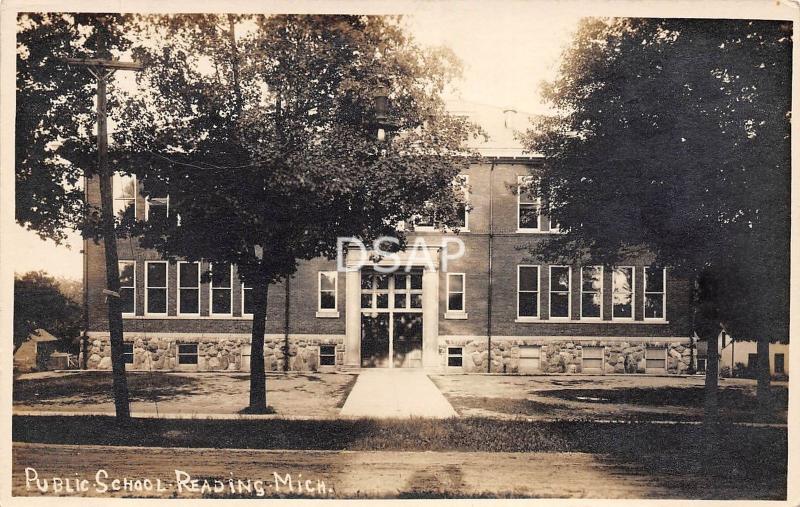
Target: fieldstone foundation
[
  {"x": 226, "y": 353},
  {"x": 566, "y": 356}
]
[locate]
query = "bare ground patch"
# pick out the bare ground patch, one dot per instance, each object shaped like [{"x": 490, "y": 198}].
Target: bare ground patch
[{"x": 294, "y": 394}]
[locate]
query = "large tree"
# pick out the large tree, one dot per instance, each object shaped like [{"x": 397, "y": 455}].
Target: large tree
[
  {"x": 263, "y": 131},
  {"x": 672, "y": 137}
]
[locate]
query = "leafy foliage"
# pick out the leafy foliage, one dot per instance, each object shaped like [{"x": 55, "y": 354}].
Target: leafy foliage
[
  {"x": 671, "y": 138},
  {"x": 40, "y": 304},
  {"x": 54, "y": 145},
  {"x": 267, "y": 136}
]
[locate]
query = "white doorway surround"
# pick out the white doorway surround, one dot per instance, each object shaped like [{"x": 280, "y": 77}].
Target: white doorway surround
[{"x": 426, "y": 259}]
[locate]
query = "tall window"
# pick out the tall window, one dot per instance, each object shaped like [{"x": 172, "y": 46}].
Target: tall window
[
  {"x": 527, "y": 291},
  {"x": 188, "y": 288},
  {"x": 527, "y": 206},
  {"x": 127, "y": 286},
  {"x": 655, "y": 300},
  {"x": 591, "y": 292},
  {"x": 560, "y": 283},
  {"x": 124, "y": 196},
  {"x": 462, "y": 190},
  {"x": 247, "y": 300},
  {"x": 221, "y": 289},
  {"x": 427, "y": 220},
  {"x": 622, "y": 292},
  {"x": 156, "y": 287},
  {"x": 156, "y": 208},
  {"x": 780, "y": 366},
  {"x": 327, "y": 291},
  {"x": 455, "y": 292}
]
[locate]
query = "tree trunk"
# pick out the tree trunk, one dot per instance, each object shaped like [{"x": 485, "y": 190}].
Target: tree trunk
[
  {"x": 711, "y": 406},
  {"x": 763, "y": 376},
  {"x": 258, "y": 378},
  {"x": 286, "y": 307}
]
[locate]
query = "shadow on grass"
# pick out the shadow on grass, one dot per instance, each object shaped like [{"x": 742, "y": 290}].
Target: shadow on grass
[
  {"x": 511, "y": 406},
  {"x": 748, "y": 463},
  {"x": 344, "y": 391},
  {"x": 729, "y": 397},
  {"x": 96, "y": 387}
]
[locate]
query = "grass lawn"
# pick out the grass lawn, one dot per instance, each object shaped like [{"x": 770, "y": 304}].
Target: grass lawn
[
  {"x": 292, "y": 394},
  {"x": 667, "y": 453},
  {"x": 602, "y": 397}
]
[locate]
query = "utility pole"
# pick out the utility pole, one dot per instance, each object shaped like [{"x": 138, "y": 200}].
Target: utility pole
[{"x": 102, "y": 68}]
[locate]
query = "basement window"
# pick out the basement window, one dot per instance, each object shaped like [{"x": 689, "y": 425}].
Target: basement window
[
  {"x": 592, "y": 359},
  {"x": 656, "y": 360},
  {"x": 187, "y": 353},
  {"x": 127, "y": 353},
  {"x": 327, "y": 355},
  {"x": 455, "y": 357}
]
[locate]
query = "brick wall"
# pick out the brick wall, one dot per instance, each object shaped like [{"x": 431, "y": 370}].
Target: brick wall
[{"x": 508, "y": 252}]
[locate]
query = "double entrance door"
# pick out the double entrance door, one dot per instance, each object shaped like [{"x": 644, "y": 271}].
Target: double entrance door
[{"x": 391, "y": 319}]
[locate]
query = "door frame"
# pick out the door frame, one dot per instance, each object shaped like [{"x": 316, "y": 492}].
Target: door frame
[
  {"x": 357, "y": 258},
  {"x": 390, "y": 292}
]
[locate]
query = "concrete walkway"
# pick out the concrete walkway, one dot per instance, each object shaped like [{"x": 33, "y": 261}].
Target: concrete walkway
[{"x": 396, "y": 392}]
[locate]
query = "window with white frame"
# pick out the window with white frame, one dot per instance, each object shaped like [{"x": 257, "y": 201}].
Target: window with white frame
[
  {"x": 655, "y": 300},
  {"x": 528, "y": 219},
  {"x": 188, "y": 288},
  {"x": 156, "y": 287},
  {"x": 455, "y": 357},
  {"x": 127, "y": 286},
  {"x": 221, "y": 292},
  {"x": 124, "y": 188},
  {"x": 455, "y": 292},
  {"x": 327, "y": 355},
  {"x": 560, "y": 284},
  {"x": 127, "y": 353},
  {"x": 247, "y": 300},
  {"x": 187, "y": 353},
  {"x": 622, "y": 292},
  {"x": 327, "y": 301},
  {"x": 591, "y": 292},
  {"x": 156, "y": 208},
  {"x": 527, "y": 291}
]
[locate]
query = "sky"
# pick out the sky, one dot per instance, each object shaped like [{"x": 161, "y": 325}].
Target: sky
[{"x": 506, "y": 54}]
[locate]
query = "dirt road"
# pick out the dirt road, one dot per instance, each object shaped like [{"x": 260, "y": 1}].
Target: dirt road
[{"x": 191, "y": 473}]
